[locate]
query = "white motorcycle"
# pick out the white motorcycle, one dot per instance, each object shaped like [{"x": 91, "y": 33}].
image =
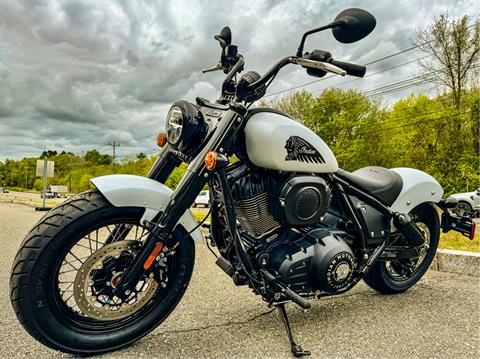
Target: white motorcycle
[{"x": 109, "y": 265}]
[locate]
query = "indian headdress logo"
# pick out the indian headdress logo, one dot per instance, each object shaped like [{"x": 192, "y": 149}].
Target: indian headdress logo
[{"x": 300, "y": 150}]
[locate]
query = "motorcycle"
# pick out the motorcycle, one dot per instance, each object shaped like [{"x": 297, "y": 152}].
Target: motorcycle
[{"x": 109, "y": 265}]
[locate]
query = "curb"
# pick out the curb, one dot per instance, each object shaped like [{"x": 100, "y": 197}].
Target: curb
[{"x": 461, "y": 262}]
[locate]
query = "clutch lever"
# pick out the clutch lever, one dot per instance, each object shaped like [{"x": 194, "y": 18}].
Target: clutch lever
[
  {"x": 217, "y": 67},
  {"x": 325, "y": 66}
]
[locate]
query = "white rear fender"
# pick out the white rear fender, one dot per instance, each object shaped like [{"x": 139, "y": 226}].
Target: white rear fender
[
  {"x": 137, "y": 191},
  {"x": 418, "y": 187}
]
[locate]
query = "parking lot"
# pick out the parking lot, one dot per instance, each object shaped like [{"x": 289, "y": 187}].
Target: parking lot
[{"x": 438, "y": 318}]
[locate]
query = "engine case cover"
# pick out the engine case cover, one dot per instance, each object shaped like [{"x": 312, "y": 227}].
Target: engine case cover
[
  {"x": 318, "y": 261},
  {"x": 304, "y": 200}
]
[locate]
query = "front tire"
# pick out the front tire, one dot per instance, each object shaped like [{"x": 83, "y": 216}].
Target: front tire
[
  {"x": 35, "y": 280},
  {"x": 384, "y": 280}
]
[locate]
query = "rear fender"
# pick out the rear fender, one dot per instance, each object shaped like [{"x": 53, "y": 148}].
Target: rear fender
[
  {"x": 137, "y": 191},
  {"x": 418, "y": 187}
]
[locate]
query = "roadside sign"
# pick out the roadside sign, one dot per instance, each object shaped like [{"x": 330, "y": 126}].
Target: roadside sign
[
  {"x": 40, "y": 168},
  {"x": 44, "y": 169}
]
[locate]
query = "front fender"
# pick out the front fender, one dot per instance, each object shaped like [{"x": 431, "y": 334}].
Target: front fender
[
  {"x": 137, "y": 191},
  {"x": 418, "y": 187}
]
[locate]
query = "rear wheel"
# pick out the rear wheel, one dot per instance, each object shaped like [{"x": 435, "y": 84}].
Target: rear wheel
[
  {"x": 66, "y": 270},
  {"x": 463, "y": 209},
  {"x": 397, "y": 276}
]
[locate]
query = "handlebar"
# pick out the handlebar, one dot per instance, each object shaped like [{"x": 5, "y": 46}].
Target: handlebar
[
  {"x": 351, "y": 69},
  {"x": 319, "y": 60},
  {"x": 330, "y": 65}
]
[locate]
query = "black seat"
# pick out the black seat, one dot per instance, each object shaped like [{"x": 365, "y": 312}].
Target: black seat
[{"x": 382, "y": 183}]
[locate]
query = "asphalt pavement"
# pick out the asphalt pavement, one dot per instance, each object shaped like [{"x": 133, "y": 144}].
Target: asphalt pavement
[{"x": 438, "y": 318}]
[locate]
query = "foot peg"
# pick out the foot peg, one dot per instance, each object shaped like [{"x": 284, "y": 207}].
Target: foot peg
[{"x": 296, "y": 349}]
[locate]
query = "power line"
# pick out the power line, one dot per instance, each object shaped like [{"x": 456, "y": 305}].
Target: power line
[
  {"x": 414, "y": 123},
  {"x": 367, "y": 64},
  {"x": 332, "y": 76}
]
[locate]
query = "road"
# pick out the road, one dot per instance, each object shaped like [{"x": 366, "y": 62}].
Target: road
[{"x": 438, "y": 318}]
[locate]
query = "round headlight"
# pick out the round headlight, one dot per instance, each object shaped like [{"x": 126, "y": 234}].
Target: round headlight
[
  {"x": 185, "y": 126},
  {"x": 174, "y": 125}
]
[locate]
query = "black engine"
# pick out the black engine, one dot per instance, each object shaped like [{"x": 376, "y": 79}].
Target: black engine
[
  {"x": 318, "y": 260},
  {"x": 281, "y": 213},
  {"x": 267, "y": 200}
]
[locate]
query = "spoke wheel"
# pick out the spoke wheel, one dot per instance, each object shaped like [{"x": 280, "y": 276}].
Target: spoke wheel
[
  {"x": 396, "y": 276},
  {"x": 66, "y": 271},
  {"x": 405, "y": 268}
]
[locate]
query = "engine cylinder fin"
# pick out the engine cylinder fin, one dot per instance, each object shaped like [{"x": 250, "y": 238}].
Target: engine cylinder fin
[{"x": 255, "y": 216}]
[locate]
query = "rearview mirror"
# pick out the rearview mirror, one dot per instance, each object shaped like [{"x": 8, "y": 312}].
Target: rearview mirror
[
  {"x": 225, "y": 37},
  {"x": 353, "y": 25}
]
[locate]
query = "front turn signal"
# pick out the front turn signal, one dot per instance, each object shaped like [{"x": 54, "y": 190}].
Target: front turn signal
[
  {"x": 161, "y": 139},
  {"x": 211, "y": 160}
]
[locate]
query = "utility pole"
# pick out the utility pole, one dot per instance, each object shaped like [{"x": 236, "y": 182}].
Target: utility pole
[{"x": 114, "y": 145}]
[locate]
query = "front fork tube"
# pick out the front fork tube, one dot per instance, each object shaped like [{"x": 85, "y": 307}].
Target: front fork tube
[{"x": 183, "y": 196}]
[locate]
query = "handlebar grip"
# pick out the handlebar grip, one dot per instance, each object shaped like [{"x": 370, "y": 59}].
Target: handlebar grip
[{"x": 352, "y": 69}]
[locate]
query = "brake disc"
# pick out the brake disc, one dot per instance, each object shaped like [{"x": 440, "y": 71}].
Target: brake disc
[{"x": 96, "y": 300}]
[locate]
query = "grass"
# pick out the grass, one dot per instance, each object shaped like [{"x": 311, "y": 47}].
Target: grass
[
  {"x": 199, "y": 214},
  {"x": 454, "y": 240},
  {"x": 25, "y": 200}
]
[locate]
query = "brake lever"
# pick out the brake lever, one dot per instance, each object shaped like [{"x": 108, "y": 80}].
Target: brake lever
[
  {"x": 217, "y": 67},
  {"x": 325, "y": 66}
]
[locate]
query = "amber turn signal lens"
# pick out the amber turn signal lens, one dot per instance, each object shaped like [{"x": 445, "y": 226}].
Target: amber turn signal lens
[
  {"x": 211, "y": 161},
  {"x": 161, "y": 139},
  {"x": 155, "y": 252}
]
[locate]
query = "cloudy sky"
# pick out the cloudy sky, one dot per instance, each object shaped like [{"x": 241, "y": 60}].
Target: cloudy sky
[{"x": 76, "y": 75}]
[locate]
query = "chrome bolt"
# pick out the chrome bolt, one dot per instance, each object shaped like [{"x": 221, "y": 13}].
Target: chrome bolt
[
  {"x": 365, "y": 256},
  {"x": 409, "y": 203},
  {"x": 108, "y": 283},
  {"x": 433, "y": 193},
  {"x": 205, "y": 174},
  {"x": 372, "y": 234},
  {"x": 364, "y": 209}
]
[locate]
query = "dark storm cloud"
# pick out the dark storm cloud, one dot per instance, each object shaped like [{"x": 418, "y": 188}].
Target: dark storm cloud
[{"x": 75, "y": 75}]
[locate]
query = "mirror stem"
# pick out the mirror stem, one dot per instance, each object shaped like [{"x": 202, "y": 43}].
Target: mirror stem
[{"x": 304, "y": 37}]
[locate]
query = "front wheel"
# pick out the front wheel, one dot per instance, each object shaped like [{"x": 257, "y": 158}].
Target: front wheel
[
  {"x": 66, "y": 270},
  {"x": 396, "y": 276}
]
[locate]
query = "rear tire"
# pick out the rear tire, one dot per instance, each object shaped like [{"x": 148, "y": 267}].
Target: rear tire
[
  {"x": 34, "y": 280},
  {"x": 379, "y": 277},
  {"x": 462, "y": 209}
]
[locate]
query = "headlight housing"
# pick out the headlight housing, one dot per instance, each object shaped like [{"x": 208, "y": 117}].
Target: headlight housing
[{"x": 185, "y": 126}]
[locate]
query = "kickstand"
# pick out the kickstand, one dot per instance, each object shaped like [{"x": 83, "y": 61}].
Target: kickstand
[{"x": 296, "y": 349}]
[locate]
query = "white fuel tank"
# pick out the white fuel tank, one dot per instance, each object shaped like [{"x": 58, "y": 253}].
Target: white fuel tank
[{"x": 278, "y": 142}]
